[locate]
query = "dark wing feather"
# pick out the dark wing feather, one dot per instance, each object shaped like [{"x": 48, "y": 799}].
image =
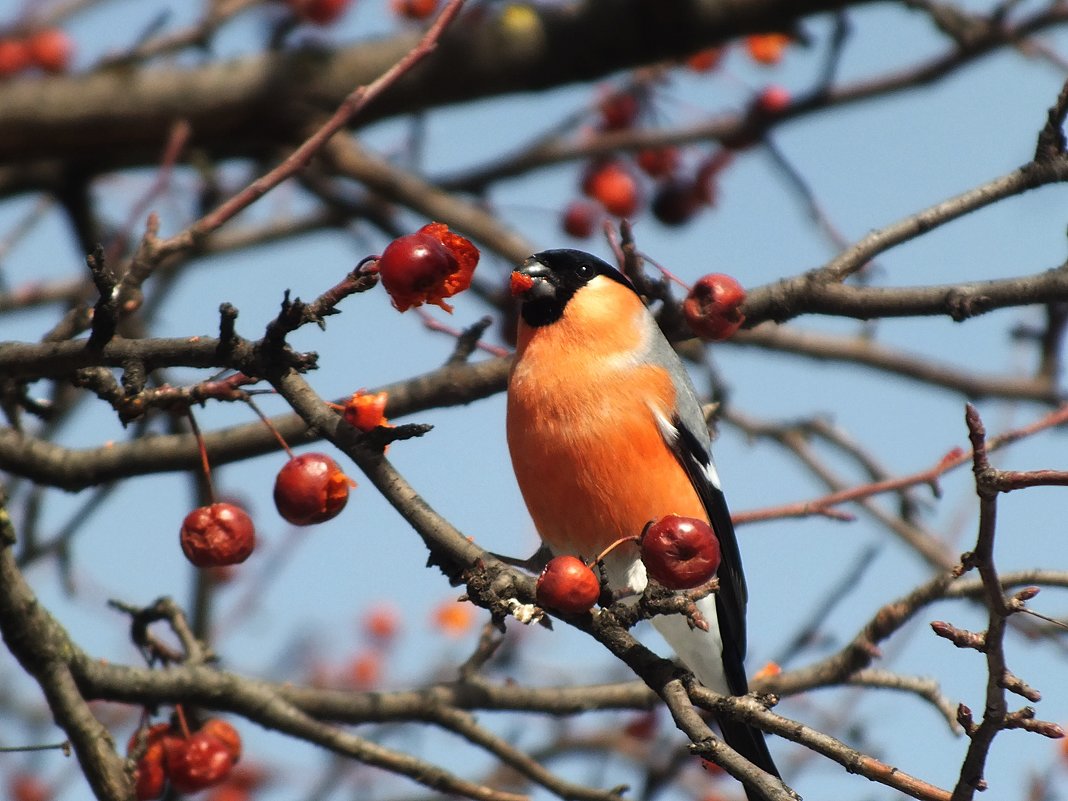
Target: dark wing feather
[{"x": 733, "y": 595}]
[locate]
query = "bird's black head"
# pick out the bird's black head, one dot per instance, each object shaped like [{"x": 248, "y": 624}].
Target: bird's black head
[{"x": 548, "y": 280}]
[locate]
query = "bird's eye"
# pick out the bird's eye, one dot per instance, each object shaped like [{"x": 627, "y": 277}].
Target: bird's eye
[{"x": 586, "y": 271}]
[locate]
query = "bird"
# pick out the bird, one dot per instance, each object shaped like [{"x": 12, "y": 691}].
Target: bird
[{"x": 606, "y": 433}]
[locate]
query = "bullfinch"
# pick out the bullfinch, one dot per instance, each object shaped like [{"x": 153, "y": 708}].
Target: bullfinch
[{"x": 606, "y": 434}]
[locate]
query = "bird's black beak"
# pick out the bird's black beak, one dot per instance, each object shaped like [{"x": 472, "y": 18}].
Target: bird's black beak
[{"x": 532, "y": 281}]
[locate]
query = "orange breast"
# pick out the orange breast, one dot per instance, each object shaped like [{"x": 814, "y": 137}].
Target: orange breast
[{"x": 590, "y": 460}]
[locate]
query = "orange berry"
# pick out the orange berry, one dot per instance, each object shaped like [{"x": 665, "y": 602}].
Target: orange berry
[
  {"x": 766, "y": 48},
  {"x": 766, "y": 672},
  {"x": 454, "y": 618},
  {"x": 366, "y": 410}
]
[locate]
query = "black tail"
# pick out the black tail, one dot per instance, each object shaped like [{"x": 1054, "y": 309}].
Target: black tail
[{"x": 749, "y": 742}]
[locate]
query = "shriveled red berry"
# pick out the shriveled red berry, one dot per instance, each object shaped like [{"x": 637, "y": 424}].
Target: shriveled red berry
[
  {"x": 414, "y": 9},
  {"x": 224, "y": 733},
  {"x": 196, "y": 762},
  {"x": 311, "y": 488},
  {"x": 426, "y": 267},
  {"x": 680, "y": 552},
  {"x": 675, "y": 202},
  {"x": 713, "y": 308},
  {"x": 217, "y": 535},
  {"x": 580, "y": 218},
  {"x": 615, "y": 187},
  {"x": 567, "y": 585},
  {"x": 321, "y": 12},
  {"x": 51, "y": 50}
]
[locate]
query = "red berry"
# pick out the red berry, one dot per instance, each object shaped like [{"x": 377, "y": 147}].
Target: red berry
[
  {"x": 713, "y": 308},
  {"x": 224, "y": 733},
  {"x": 706, "y": 60},
  {"x": 365, "y": 670},
  {"x": 580, "y": 218},
  {"x": 51, "y": 50},
  {"x": 615, "y": 187},
  {"x": 311, "y": 488},
  {"x": 675, "y": 201},
  {"x": 150, "y": 778},
  {"x": 772, "y": 100},
  {"x": 196, "y": 762},
  {"x": 426, "y": 267},
  {"x": 150, "y": 774},
  {"x": 381, "y": 623},
  {"x": 680, "y": 552},
  {"x": 657, "y": 162},
  {"x": 414, "y": 9},
  {"x": 567, "y": 585},
  {"x": 14, "y": 57},
  {"x": 27, "y": 787},
  {"x": 321, "y": 12},
  {"x": 619, "y": 110},
  {"x": 217, "y": 535}
]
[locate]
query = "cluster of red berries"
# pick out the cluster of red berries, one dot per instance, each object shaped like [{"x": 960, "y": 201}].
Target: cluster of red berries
[
  {"x": 49, "y": 50},
  {"x": 678, "y": 552},
  {"x": 614, "y": 185},
  {"x": 189, "y": 761}
]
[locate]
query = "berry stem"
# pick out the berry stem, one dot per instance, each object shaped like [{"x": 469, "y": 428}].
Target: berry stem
[
  {"x": 203, "y": 454},
  {"x": 664, "y": 271},
  {"x": 270, "y": 426},
  {"x": 613, "y": 546},
  {"x": 182, "y": 724}
]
